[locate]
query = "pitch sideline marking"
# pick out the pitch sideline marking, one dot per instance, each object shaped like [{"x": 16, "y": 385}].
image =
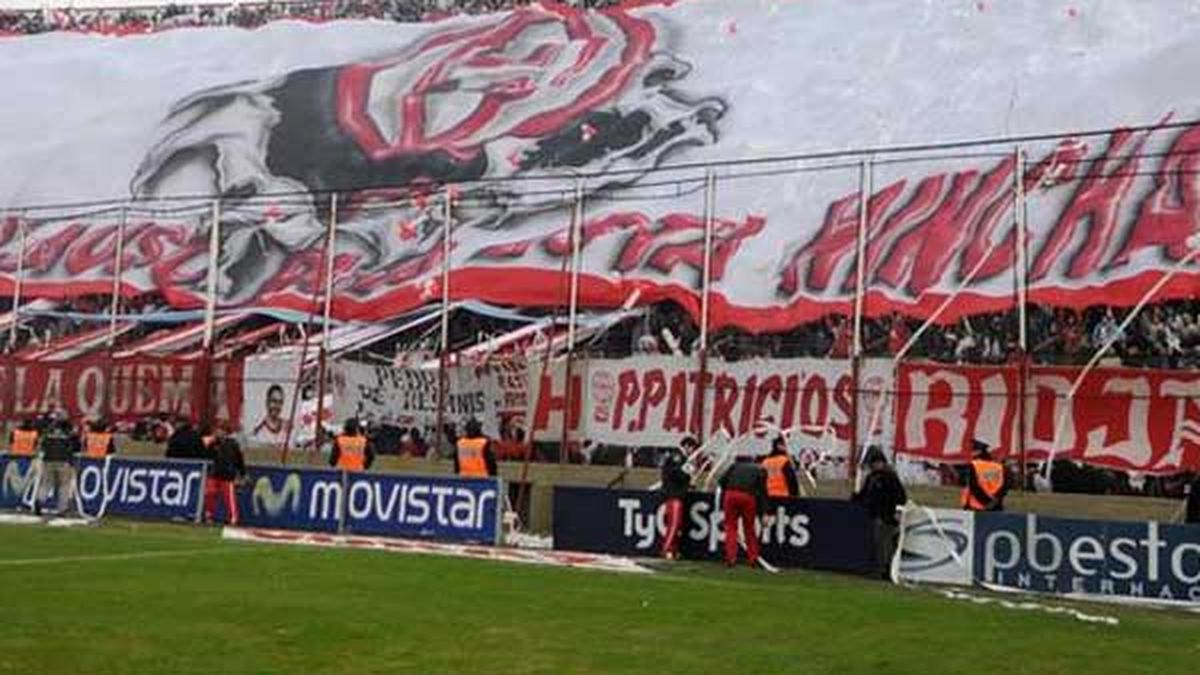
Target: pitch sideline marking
[
  {"x": 181, "y": 553},
  {"x": 562, "y": 559}
]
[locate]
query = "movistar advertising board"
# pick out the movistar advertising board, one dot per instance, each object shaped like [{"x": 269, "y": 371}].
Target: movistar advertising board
[
  {"x": 167, "y": 489},
  {"x": 378, "y": 504}
]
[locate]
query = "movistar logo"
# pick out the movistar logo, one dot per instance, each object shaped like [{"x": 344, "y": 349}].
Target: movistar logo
[
  {"x": 14, "y": 482},
  {"x": 269, "y": 501}
]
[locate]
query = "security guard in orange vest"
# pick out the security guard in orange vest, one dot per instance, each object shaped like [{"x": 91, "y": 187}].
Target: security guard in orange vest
[
  {"x": 474, "y": 457},
  {"x": 98, "y": 442},
  {"x": 781, "y": 473},
  {"x": 352, "y": 450},
  {"x": 24, "y": 440},
  {"x": 987, "y": 482}
]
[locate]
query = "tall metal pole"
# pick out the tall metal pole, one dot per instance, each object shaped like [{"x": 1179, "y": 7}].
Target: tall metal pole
[
  {"x": 214, "y": 254},
  {"x": 323, "y": 361},
  {"x": 114, "y": 309},
  {"x": 710, "y": 193},
  {"x": 210, "y": 309},
  {"x": 114, "y": 306},
  {"x": 1021, "y": 271},
  {"x": 860, "y": 276},
  {"x": 572, "y": 315},
  {"x": 444, "y": 352},
  {"x": 18, "y": 283},
  {"x": 1020, "y": 279}
]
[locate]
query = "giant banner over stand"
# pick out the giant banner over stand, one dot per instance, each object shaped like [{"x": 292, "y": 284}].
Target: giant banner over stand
[
  {"x": 549, "y": 92},
  {"x": 167, "y": 489},
  {"x": 380, "y": 504},
  {"x": 820, "y": 533},
  {"x": 1122, "y": 418}
]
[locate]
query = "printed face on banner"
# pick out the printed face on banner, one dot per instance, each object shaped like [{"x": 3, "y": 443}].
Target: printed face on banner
[
  {"x": 384, "y": 113},
  {"x": 270, "y": 384}
]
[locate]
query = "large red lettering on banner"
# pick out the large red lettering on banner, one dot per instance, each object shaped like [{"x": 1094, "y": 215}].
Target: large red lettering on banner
[
  {"x": 1122, "y": 418},
  {"x": 123, "y": 390}
]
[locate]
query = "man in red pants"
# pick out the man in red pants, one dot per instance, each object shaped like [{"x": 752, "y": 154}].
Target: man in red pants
[
  {"x": 674, "y": 486},
  {"x": 745, "y": 494},
  {"x": 228, "y": 466}
]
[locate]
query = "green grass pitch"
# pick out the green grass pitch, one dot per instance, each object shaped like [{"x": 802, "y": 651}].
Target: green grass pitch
[{"x": 139, "y": 598}]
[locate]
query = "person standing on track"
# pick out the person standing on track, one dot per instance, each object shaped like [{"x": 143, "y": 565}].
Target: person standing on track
[
  {"x": 57, "y": 447},
  {"x": 228, "y": 467},
  {"x": 987, "y": 483},
  {"x": 781, "y": 472},
  {"x": 473, "y": 456},
  {"x": 675, "y": 483},
  {"x": 745, "y": 496},
  {"x": 352, "y": 450},
  {"x": 881, "y": 494}
]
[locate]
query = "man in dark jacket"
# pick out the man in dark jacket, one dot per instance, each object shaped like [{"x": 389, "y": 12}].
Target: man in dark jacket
[
  {"x": 228, "y": 467},
  {"x": 186, "y": 443},
  {"x": 57, "y": 447},
  {"x": 674, "y": 486},
  {"x": 745, "y": 496},
  {"x": 881, "y": 494}
]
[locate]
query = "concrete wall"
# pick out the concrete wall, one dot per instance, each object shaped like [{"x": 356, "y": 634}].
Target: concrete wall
[{"x": 542, "y": 478}]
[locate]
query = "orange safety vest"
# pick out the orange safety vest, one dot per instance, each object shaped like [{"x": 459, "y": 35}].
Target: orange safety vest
[
  {"x": 24, "y": 442},
  {"x": 470, "y": 457},
  {"x": 96, "y": 446},
  {"x": 776, "y": 482},
  {"x": 352, "y": 453},
  {"x": 990, "y": 476}
]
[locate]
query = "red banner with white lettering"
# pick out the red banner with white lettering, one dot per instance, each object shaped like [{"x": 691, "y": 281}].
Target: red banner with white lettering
[
  {"x": 122, "y": 390},
  {"x": 1121, "y": 418}
]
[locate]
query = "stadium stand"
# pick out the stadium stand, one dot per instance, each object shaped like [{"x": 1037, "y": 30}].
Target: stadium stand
[{"x": 137, "y": 20}]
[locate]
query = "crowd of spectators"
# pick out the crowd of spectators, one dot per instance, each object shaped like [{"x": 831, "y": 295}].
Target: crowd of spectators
[
  {"x": 135, "y": 20},
  {"x": 1163, "y": 335}
]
